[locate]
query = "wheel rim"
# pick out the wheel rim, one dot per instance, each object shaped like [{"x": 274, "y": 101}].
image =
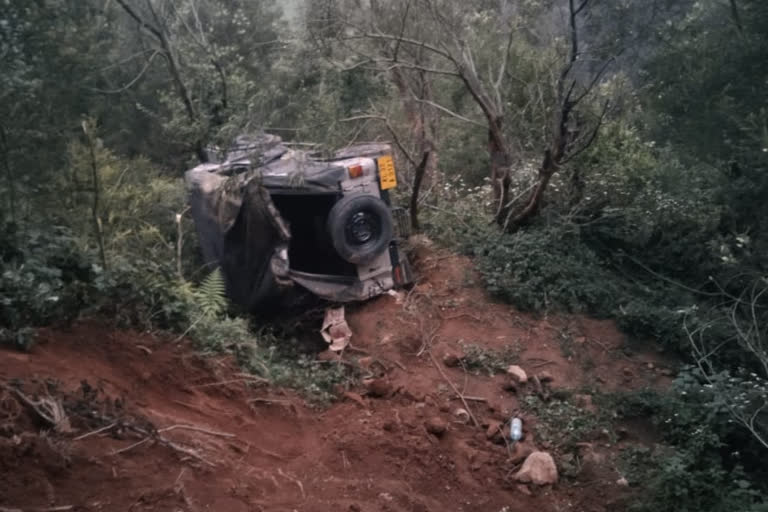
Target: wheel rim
[{"x": 362, "y": 228}]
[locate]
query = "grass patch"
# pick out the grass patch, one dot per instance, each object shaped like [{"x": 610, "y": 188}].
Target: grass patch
[
  {"x": 562, "y": 423},
  {"x": 480, "y": 360}
]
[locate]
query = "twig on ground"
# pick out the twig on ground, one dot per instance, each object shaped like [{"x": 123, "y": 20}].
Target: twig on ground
[
  {"x": 96, "y": 432},
  {"x": 154, "y": 436},
  {"x": 196, "y": 429},
  {"x": 186, "y": 451},
  {"x": 271, "y": 453},
  {"x": 61, "y": 508},
  {"x": 178, "y": 478},
  {"x": 455, "y": 389},
  {"x": 243, "y": 380},
  {"x": 543, "y": 363},
  {"x": 540, "y": 390},
  {"x": 131, "y": 447},
  {"x": 468, "y": 315},
  {"x": 472, "y": 398},
  {"x": 293, "y": 479},
  {"x": 269, "y": 401},
  {"x": 48, "y": 409}
]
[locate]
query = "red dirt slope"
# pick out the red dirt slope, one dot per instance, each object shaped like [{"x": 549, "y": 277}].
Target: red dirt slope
[{"x": 211, "y": 439}]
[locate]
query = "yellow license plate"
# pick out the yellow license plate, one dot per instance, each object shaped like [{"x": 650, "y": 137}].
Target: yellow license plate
[{"x": 387, "y": 175}]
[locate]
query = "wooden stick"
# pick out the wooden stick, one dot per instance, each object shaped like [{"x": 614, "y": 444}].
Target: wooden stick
[
  {"x": 232, "y": 381},
  {"x": 131, "y": 447},
  {"x": 97, "y": 431},
  {"x": 545, "y": 363},
  {"x": 455, "y": 389},
  {"x": 61, "y": 508},
  {"x": 293, "y": 479},
  {"x": 473, "y": 398},
  {"x": 196, "y": 429}
]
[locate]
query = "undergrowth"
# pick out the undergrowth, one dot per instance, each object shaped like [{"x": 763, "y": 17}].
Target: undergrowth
[
  {"x": 482, "y": 360},
  {"x": 49, "y": 278},
  {"x": 657, "y": 265},
  {"x": 561, "y": 423},
  {"x": 705, "y": 460}
]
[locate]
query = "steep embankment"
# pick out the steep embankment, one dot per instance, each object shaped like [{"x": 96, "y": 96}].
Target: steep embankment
[{"x": 143, "y": 423}]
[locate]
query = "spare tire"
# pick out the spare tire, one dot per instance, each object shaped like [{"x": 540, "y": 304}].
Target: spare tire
[{"x": 360, "y": 227}]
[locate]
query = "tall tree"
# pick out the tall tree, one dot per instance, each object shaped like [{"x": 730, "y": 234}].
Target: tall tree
[{"x": 479, "y": 45}]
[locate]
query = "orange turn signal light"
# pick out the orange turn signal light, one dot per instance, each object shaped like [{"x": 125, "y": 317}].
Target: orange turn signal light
[{"x": 355, "y": 171}]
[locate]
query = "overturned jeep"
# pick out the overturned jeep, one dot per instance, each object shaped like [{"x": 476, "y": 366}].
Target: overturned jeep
[{"x": 272, "y": 218}]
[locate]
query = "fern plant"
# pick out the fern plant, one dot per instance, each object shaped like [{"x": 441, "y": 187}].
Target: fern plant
[{"x": 211, "y": 295}]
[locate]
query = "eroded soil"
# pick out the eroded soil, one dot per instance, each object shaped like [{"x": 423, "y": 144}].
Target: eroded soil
[{"x": 150, "y": 425}]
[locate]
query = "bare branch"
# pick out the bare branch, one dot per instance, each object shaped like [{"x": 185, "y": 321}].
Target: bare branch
[
  {"x": 412, "y": 42},
  {"x": 141, "y": 21},
  {"x": 590, "y": 140},
  {"x": 132, "y": 82},
  {"x": 503, "y": 68},
  {"x": 449, "y": 112}
]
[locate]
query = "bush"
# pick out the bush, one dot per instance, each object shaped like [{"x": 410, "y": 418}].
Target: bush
[
  {"x": 44, "y": 278},
  {"x": 706, "y": 462}
]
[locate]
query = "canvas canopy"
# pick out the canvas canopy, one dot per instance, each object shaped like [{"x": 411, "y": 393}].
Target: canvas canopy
[{"x": 240, "y": 229}]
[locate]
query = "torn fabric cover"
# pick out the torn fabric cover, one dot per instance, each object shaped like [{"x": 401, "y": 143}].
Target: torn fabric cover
[
  {"x": 240, "y": 229},
  {"x": 335, "y": 330}
]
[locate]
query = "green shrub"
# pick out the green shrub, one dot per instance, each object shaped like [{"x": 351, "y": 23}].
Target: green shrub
[
  {"x": 546, "y": 268},
  {"x": 44, "y": 278},
  {"x": 707, "y": 461},
  {"x": 481, "y": 360},
  {"x": 563, "y": 423}
]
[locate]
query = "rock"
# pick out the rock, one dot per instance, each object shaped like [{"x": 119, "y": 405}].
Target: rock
[
  {"x": 517, "y": 374},
  {"x": 462, "y": 415},
  {"x": 451, "y": 359},
  {"x": 545, "y": 377},
  {"x": 493, "y": 430},
  {"x": 666, "y": 372},
  {"x": 436, "y": 426},
  {"x": 509, "y": 386},
  {"x": 627, "y": 371},
  {"x": 622, "y": 482},
  {"x": 650, "y": 366},
  {"x": 538, "y": 469},
  {"x": 520, "y": 452},
  {"x": 365, "y": 362},
  {"x": 379, "y": 388},
  {"x": 524, "y": 489}
]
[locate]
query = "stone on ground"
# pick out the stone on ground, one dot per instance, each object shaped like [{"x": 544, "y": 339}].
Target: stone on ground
[
  {"x": 538, "y": 469},
  {"x": 518, "y": 374}
]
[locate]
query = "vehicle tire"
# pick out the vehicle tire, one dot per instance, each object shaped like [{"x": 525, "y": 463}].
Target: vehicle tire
[{"x": 360, "y": 227}]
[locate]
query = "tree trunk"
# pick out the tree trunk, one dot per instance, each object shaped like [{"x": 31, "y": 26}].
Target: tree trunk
[
  {"x": 8, "y": 174},
  {"x": 500, "y": 174},
  {"x": 418, "y": 178},
  {"x": 423, "y": 123},
  {"x": 515, "y": 221},
  {"x": 95, "y": 183}
]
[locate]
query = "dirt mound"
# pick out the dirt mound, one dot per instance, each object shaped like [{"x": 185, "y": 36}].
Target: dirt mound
[{"x": 145, "y": 424}]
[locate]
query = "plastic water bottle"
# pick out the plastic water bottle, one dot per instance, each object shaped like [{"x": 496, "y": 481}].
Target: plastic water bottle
[{"x": 516, "y": 430}]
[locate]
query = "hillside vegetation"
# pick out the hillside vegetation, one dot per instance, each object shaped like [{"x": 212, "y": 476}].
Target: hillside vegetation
[{"x": 600, "y": 157}]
